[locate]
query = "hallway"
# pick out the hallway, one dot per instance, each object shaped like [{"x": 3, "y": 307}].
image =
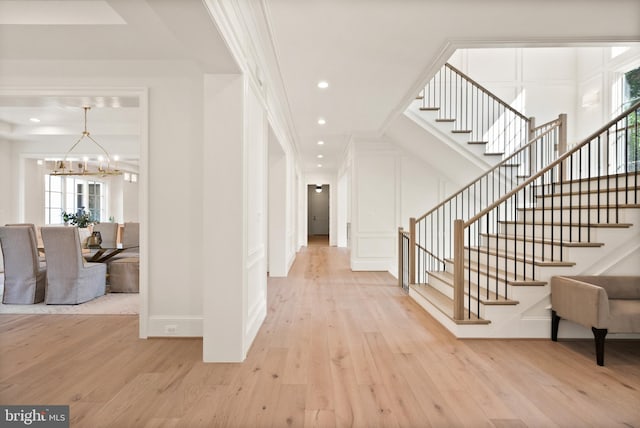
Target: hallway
[{"x": 338, "y": 348}]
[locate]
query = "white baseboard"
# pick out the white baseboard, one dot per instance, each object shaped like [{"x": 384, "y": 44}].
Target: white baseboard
[
  {"x": 254, "y": 322},
  {"x": 174, "y": 326}
]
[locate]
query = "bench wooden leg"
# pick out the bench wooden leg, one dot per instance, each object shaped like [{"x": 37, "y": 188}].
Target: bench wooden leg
[
  {"x": 599, "y": 334},
  {"x": 555, "y": 321}
]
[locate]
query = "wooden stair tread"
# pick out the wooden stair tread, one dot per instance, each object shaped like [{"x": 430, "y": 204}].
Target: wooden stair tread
[
  {"x": 590, "y": 191},
  {"x": 518, "y": 257},
  {"x": 493, "y": 273},
  {"x": 478, "y": 142},
  {"x": 445, "y": 120},
  {"x": 564, "y": 206},
  {"x": 494, "y": 154},
  {"x": 610, "y": 177},
  {"x": 461, "y": 131},
  {"x": 544, "y": 241},
  {"x": 444, "y": 304},
  {"x": 447, "y": 278},
  {"x": 567, "y": 224},
  {"x": 429, "y": 108}
]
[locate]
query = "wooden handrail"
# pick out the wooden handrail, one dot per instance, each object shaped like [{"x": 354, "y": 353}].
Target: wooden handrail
[
  {"x": 499, "y": 165},
  {"x": 551, "y": 165},
  {"x": 486, "y": 91}
]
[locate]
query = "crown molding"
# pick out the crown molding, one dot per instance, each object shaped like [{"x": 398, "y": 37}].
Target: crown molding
[{"x": 244, "y": 26}]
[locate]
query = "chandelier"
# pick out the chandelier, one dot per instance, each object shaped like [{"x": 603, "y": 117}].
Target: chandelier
[{"x": 104, "y": 168}]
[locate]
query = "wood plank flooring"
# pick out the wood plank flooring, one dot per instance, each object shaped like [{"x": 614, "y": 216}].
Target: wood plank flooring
[{"x": 338, "y": 349}]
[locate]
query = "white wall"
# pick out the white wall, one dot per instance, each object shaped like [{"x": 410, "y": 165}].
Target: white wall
[
  {"x": 374, "y": 204},
  {"x": 538, "y": 82},
  {"x": 598, "y": 71},
  {"x": 234, "y": 153},
  {"x": 343, "y": 208},
  {"x": 389, "y": 185},
  {"x": 6, "y": 187},
  {"x": 130, "y": 198},
  {"x": 277, "y": 203},
  {"x": 543, "y": 82},
  {"x": 175, "y": 127}
]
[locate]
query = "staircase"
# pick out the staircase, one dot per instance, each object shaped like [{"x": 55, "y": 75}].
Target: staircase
[
  {"x": 480, "y": 262},
  {"x": 469, "y": 117}
]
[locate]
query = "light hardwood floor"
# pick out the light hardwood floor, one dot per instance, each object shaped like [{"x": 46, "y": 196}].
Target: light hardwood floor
[{"x": 337, "y": 349}]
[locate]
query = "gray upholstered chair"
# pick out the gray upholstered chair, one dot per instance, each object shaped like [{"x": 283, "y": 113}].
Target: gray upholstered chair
[
  {"x": 24, "y": 276},
  {"x": 70, "y": 279},
  {"x": 108, "y": 233},
  {"x": 131, "y": 239},
  {"x": 131, "y": 234},
  {"x": 35, "y": 236}
]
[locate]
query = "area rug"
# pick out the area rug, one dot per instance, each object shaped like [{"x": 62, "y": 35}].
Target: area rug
[{"x": 111, "y": 303}]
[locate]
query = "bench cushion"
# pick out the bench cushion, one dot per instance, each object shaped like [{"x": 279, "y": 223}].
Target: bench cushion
[{"x": 624, "y": 316}]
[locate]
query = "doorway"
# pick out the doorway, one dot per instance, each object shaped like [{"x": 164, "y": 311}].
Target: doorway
[{"x": 318, "y": 214}]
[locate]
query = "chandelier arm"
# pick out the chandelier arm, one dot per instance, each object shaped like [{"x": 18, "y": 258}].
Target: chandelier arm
[
  {"x": 72, "y": 147},
  {"x": 102, "y": 148}
]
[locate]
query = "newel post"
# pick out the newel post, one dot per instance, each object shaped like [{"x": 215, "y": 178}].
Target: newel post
[
  {"x": 562, "y": 137},
  {"x": 458, "y": 269},
  {"x": 412, "y": 250},
  {"x": 562, "y": 143},
  {"x": 532, "y": 151}
]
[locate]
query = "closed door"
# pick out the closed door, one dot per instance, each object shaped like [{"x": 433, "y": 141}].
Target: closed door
[{"x": 318, "y": 209}]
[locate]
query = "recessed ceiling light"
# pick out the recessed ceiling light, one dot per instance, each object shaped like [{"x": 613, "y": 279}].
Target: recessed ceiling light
[
  {"x": 34, "y": 119},
  {"x": 319, "y": 165},
  {"x": 320, "y": 156},
  {"x": 323, "y": 84},
  {"x": 320, "y": 143},
  {"x": 321, "y": 121}
]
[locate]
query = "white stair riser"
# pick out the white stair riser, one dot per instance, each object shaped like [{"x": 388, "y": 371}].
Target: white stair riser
[
  {"x": 604, "y": 198},
  {"x": 579, "y": 216},
  {"x": 442, "y": 286},
  {"x": 566, "y": 233},
  {"x": 447, "y": 289},
  {"x": 429, "y": 117},
  {"x": 527, "y": 248},
  {"x": 502, "y": 263},
  {"x": 592, "y": 184}
]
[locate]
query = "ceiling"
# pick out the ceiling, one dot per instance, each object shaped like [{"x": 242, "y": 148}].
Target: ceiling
[
  {"x": 374, "y": 54},
  {"x": 97, "y": 30}
]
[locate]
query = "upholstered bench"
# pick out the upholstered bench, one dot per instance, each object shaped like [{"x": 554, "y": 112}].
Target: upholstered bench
[
  {"x": 124, "y": 275},
  {"x": 604, "y": 303}
]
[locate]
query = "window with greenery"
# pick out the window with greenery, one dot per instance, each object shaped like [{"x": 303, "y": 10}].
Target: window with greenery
[
  {"x": 71, "y": 194},
  {"x": 631, "y": 95}
]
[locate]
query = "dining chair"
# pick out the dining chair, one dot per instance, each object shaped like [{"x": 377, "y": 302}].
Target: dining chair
[
  {"x": 108, "y": 233},
  {"x": 131, "y": 239},
  {"x": 131, "y": 234},
  {"x": 70, "y": 279},
  {"x": 24, "y": 275},
  {"x": 41, "y": 257}
]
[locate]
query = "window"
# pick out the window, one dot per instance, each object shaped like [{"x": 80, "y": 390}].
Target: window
[
  {"x": 630, "y": 96},
  {"x": 631, "y": 88},
  {"x": 53, "y": 205},
  {"x": 71, "y": 194}
]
